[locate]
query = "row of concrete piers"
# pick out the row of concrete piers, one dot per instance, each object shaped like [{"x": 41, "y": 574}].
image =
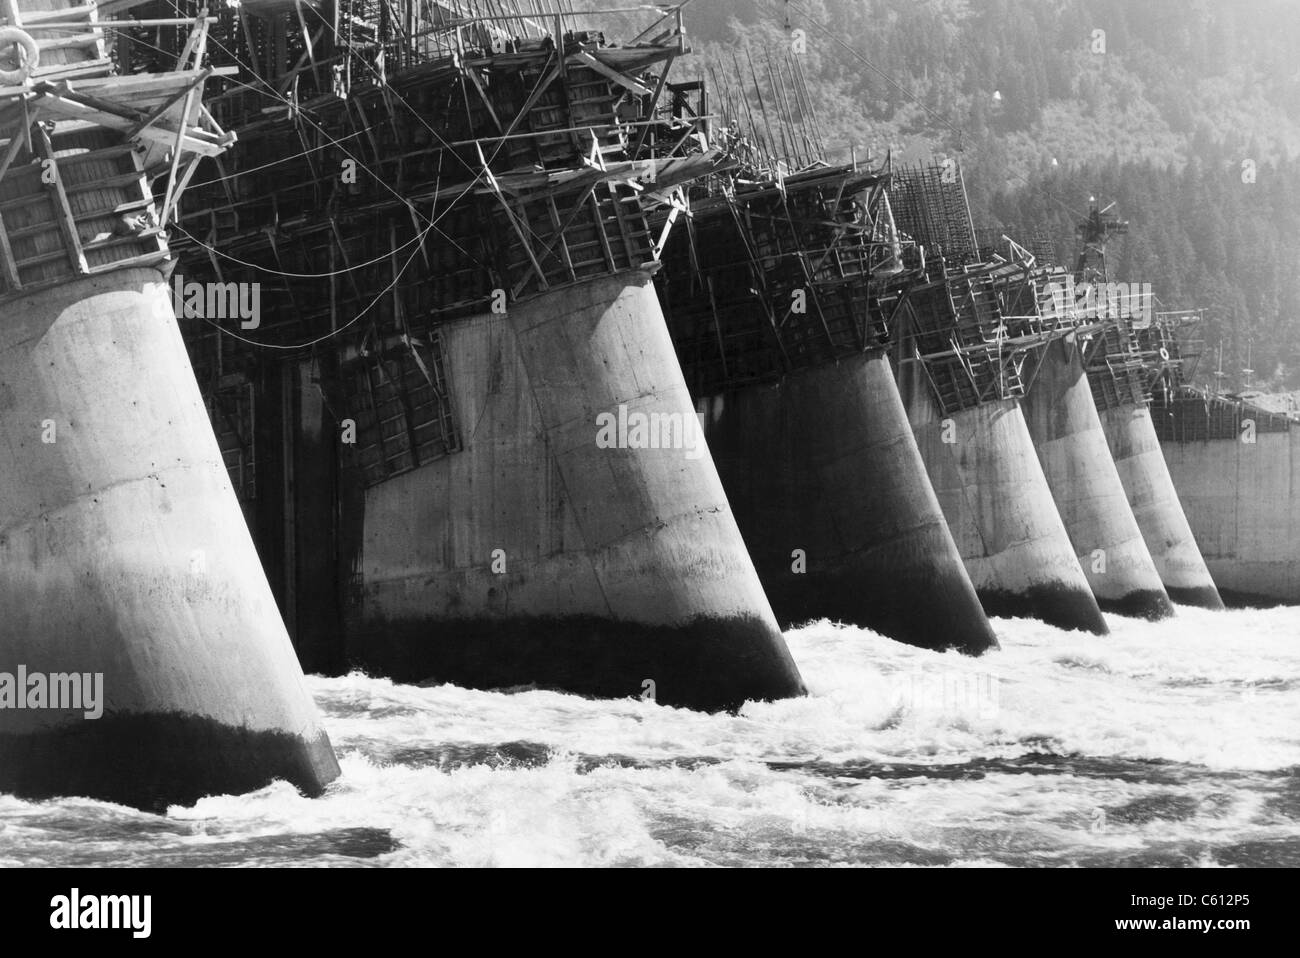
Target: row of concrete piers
[{"x": 567, "y": 388}]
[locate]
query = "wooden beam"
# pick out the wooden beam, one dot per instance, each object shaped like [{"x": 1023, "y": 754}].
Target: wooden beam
[
  {"x": 654, "y": 101},
  {"x": 622, "y": 225},
  {"x": 610, "y": 73},
  {"x": 63, "y": 210},
  {"x": 598, "y": 219},
  {"x": 478, "y": 85},
  {"x": 64, "y": 91},
  {"x": 679, "y": 205},
  {"x": 53, "y": 23},
  {"x": 190, "y": 141},
  {"x": 149, "y": 83},
  {"x": 156, "y": 114},
  {"x": 109, "y": 7},
  {"x": 172, "y": 193},
  {"x": 560, "y": 229},
  {"x": 15, "y": 145},
  {"x": 35, "y": 17},
  {"x": 514, "y": 224},
  {"x": 7, "y": 256},
  {"x": 185, "y": 181},
  {"x": 12, "y": 13},
  {"x": 68, "y": 43},
  {"x": 89, "y": 69}
]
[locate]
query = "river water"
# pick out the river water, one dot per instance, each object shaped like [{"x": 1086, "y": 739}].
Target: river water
[{"x": 1165, "y": 744}]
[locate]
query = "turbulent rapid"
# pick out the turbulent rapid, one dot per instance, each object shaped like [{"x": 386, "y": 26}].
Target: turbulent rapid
[{"x": 1163, "y": 744}]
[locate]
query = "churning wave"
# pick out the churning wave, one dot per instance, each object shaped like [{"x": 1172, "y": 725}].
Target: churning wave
[{"x": 1169, "y": 743}]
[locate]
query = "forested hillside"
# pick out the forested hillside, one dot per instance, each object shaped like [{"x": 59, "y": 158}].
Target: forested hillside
[{"x": 1184, "y": 112}]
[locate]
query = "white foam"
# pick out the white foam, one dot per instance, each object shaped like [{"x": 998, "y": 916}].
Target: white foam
[{"x": 853, "y": 773}]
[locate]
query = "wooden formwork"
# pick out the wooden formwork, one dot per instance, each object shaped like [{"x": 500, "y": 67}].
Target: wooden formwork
[
  {"x": 1117, "y": 369},
  {"x": 773, "y": 277},
  {"x": 502, "y": 169},
  {"x": 979, "y": 332},
  {"x": 1195, "y": 416},
  {"x": 80, "y": 144},
  {"x": 402, "y": 167}
]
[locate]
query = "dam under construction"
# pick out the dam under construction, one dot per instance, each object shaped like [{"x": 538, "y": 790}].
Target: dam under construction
[{"x": 496, "y": 345}]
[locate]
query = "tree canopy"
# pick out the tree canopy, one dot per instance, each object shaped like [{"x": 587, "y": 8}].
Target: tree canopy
[{"x": 1185, "y": 113}]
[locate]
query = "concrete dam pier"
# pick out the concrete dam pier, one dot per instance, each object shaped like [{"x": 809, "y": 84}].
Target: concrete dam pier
[
  {"x": 768, "y": 302},
  {"x": 486, "y": 314},
  {"x": 1236, "y": 468},
  {"x": 142, "y": 659},
  {"x": 963, "y": 368},
  {"x": 841, "y": 518},
  {"x": 123, "y": 556},
  {"x": 461, "y": 343},
  {"x": 1156, "y": 506},
  {"x": 1122, "y": 370},
  {"x": 1001, "y": 511},
  {"x": 535, "y": 556},
  {"x": 1085, "y": 483}
]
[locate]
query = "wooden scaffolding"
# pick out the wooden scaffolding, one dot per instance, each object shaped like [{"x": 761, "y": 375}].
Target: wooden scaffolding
[
  {"x": 82, "y": 143},
  {"x": 403, "y": 164}
]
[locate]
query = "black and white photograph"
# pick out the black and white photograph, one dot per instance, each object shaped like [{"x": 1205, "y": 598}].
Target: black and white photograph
[{"x": 708, "y": 434}]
